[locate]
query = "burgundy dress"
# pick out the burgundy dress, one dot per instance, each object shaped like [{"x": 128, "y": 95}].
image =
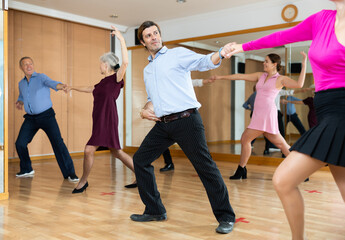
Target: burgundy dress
[
  {"x": 312, "y": 120},
  {"x": 105, "y": 120}
]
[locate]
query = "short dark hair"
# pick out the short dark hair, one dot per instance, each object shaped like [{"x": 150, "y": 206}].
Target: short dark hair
[
  {"x": 275, "y": 58},
  {"x": 145, "y": 25},
  {"x": 23, "y": 58}
]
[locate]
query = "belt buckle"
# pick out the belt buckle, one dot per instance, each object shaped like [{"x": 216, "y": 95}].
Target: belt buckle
[
  {"x": 185, "y": 114},
  {"x": 165, "y": 120}
]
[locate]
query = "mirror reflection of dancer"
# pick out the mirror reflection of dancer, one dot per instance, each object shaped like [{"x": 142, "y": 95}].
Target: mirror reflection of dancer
[
  {"x": 249, "y": 105},
  {"x": 265, "y": 120},
  {"x": 309, "y": 101},
  {"x": 104, "y": 115},
  {"x": 324, "y": 143}
]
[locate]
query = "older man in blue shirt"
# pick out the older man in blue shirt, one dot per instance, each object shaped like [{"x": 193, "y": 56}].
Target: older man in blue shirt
[
  {"x": 34, "y": 95},
  {"x": 170, "y": 91}
]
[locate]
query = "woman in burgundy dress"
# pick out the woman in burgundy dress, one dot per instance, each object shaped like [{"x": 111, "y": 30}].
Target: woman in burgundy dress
[{"x": 105, "y": 119}]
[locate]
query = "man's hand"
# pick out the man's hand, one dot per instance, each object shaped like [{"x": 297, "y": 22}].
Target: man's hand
[
  {"x": 231, "y": 49},
  {"x": 149, "y": 115},
  {"x": 148, "y": 112},
  {"x": 61, "y": 86},
  {"x": 64, "y": 87},
  {"x": 208, "y": 80},
  {"x": 67, "y": 89},
  {"x": 19, "y": 105},
  {"x": 284, "y": 101}
]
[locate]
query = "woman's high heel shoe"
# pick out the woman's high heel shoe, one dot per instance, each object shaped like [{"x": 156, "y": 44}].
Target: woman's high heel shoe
[
  {"x": 241, "y": 172},
  {"x": 80, "y": 190}
]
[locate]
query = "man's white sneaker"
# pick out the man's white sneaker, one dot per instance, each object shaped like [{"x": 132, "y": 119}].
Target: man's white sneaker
[
  {"x": 73, "y": 178},
  {"x": 274, "y": 150},
  {"x": 26, "y": 174}
]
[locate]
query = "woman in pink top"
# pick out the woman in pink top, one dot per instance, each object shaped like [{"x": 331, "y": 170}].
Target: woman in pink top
[
  {"x": 265, "y": 116},
  {"x": 325, "y": 143}
]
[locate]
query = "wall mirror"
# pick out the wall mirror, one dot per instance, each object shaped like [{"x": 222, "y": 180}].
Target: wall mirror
[{"x": 222, "y": 112}]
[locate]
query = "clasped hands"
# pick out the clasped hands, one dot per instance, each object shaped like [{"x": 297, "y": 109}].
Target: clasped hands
[{"x": 230, "y": 49}]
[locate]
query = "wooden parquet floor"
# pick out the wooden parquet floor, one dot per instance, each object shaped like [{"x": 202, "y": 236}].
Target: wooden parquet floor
[{"x": 43, "y": 207}]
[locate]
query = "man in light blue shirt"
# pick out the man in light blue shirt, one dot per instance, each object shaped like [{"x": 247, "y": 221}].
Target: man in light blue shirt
[
  {"x": 34, "y": 95},
  {"x": 170, "y": 91}
]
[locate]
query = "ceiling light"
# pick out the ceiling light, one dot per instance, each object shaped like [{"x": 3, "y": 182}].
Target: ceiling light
[
  {"x": 181, "y": 1},
  {"x": 113, "y": 16}
]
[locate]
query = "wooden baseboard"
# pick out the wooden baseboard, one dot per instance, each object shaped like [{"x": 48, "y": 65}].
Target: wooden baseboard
[
  {"x": 255, "y": 160},
  {"x": 52, "y": 156}
]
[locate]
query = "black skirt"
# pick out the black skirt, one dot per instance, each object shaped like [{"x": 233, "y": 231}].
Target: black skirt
[{"x": 326, "y": 140}]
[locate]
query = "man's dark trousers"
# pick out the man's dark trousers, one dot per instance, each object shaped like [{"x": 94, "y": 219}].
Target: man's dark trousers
[
  {"x": 296, "y": 122},
  {"x": 47, "y": 122},
  {"x": 189, "y": 133},
  {"x": 167, "y": 157}
]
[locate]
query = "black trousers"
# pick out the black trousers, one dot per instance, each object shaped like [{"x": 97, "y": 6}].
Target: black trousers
[
  {"x": 167, "y": 157},
  {"x": 296, "y": 122},
  {"x": 189, "y": 133},
  {"x": 47, "y": 122}
]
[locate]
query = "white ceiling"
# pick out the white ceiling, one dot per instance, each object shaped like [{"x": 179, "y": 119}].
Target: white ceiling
[{"x": 132, "y": 13}]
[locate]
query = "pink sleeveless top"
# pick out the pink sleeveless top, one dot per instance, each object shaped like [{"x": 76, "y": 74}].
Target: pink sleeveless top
[{"x": 265, "y": 115}]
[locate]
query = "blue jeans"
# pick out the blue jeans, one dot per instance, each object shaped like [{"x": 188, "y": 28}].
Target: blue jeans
[{"x": 47, "y": 122}]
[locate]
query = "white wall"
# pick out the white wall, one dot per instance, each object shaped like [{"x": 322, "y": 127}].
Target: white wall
[{"x": 239, "y": 18}]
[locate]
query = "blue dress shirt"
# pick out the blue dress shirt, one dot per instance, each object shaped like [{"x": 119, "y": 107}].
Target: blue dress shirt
[
  {"x": 35, "y": 94},
  {"x": 168, "y": 80},
  {"x": 290, "y": 107}
]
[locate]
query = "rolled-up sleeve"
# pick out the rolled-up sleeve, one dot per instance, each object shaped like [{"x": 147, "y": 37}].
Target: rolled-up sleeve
[{"x": 50, "y": 83}]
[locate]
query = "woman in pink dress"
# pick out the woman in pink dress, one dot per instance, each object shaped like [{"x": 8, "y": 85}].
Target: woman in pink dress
[
  {"x": 325, "y": 142},
  {"x": 265, "y": 120},
  {"x": 104, "y": 115}
]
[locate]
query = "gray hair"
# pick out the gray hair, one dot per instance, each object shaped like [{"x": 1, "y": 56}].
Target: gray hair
[{"x": 111, "y": 60}]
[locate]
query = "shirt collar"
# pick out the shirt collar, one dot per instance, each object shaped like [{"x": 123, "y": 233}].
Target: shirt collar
[
  {"x": 163, "y": 50},
  {"x": 34, "y": 74}
]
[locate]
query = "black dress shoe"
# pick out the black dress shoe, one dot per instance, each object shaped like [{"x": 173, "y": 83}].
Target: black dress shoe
[
  {"x": 266, "y": 152},
  {"x": 225, "y": 227},
  {"x": 80, "y": 190},
  {"x": 167, "y": 167},
  {"x": 133, "y": 185},
  {"x": 147, "y": 217}
]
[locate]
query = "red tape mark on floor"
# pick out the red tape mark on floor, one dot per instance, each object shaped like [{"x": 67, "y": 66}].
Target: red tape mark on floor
[
  {"x": 312, "y": 191},
  {"x": 107, "y": 193},
  {"x": 241, "y": 220}
]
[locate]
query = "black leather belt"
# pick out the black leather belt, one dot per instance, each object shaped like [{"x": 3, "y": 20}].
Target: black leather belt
[{"x": 176, "y": 116}]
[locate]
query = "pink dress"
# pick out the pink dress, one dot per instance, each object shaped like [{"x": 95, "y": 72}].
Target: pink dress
[{"x": 265, "y": 115}]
